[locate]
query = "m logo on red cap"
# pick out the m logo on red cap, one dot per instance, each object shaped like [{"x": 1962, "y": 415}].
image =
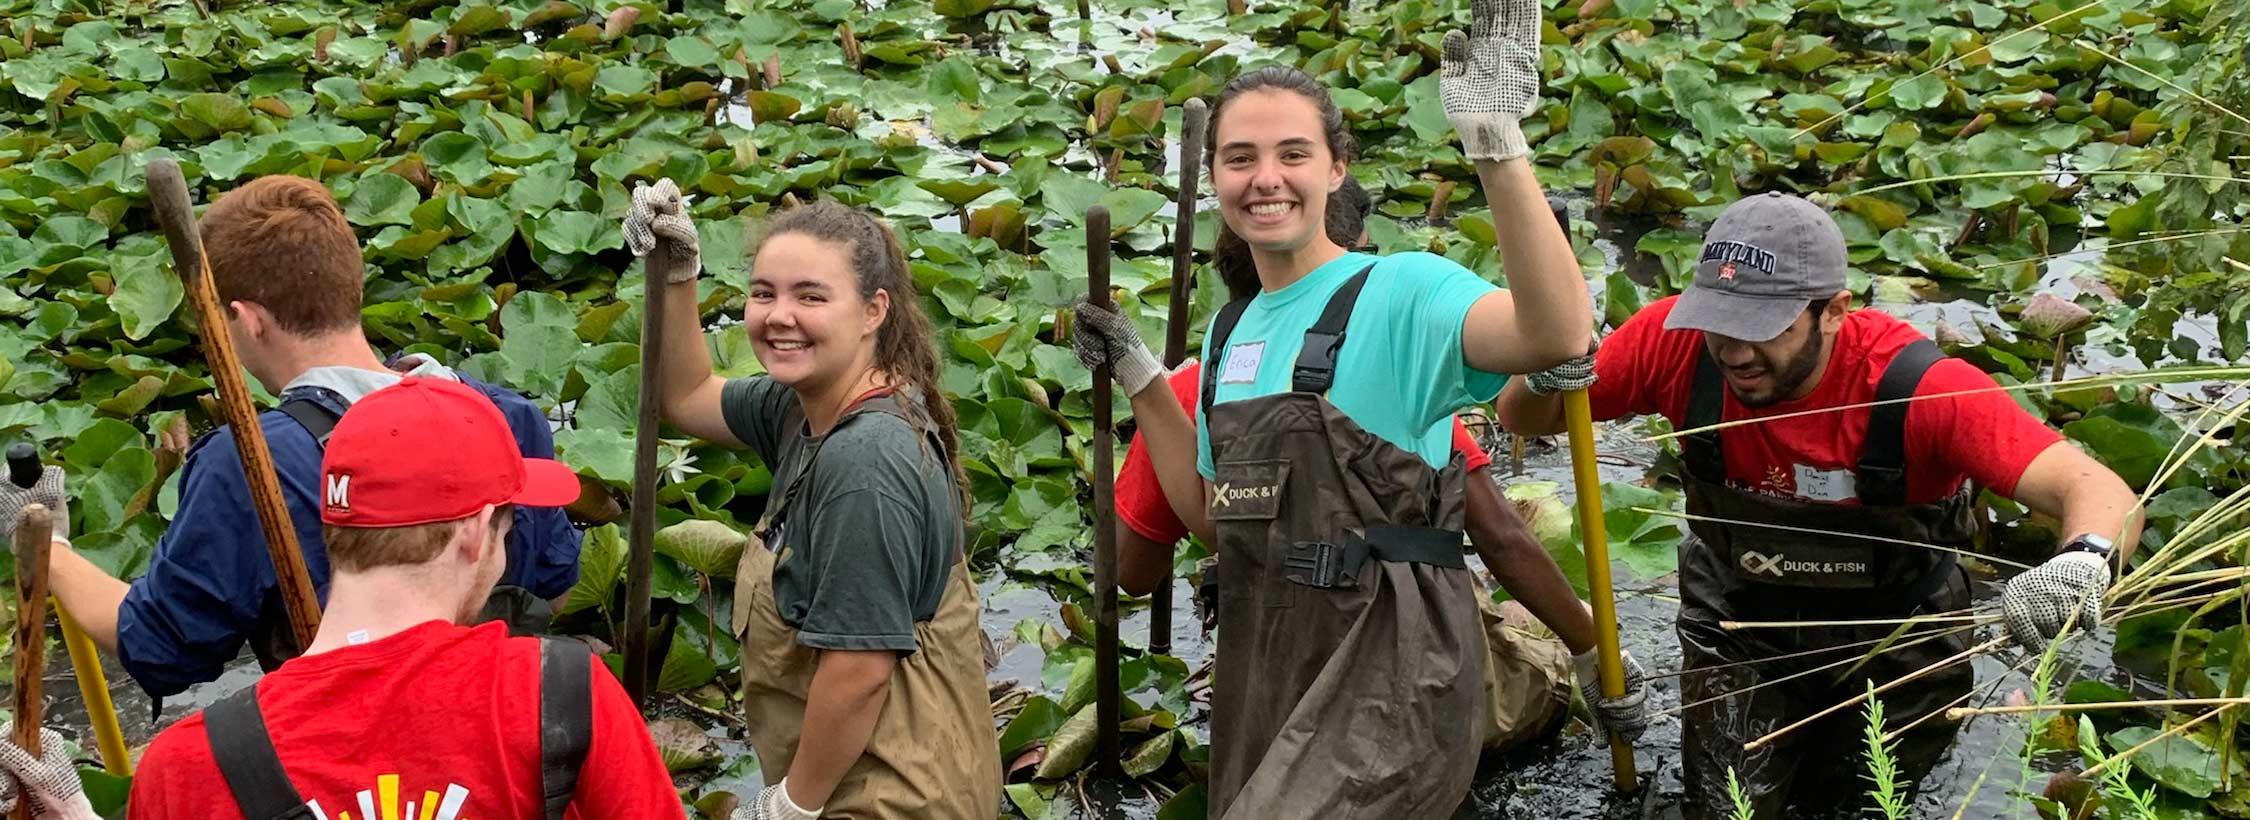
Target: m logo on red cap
[{"x": 339, "y": 491}]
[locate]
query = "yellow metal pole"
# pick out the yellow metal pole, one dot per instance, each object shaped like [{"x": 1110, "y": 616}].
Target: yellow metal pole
[
  {"x": 1579, "y": 416},
  {"x": 93, "y": 688}
]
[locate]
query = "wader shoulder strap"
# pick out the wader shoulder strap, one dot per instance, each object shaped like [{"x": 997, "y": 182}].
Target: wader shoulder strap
[
  {"x": 1316, "y": 361},
  {"x": 315, "y": 417},
  {"x": 566, "y": 719},
  {"x": 1700, "y": 452},
  {"x": 246, "y": 759},
  {"x": 1882, "y": 459},
  {"x": 1221, "y": 328}
]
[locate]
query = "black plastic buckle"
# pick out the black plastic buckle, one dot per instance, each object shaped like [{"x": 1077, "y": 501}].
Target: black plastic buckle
[{"x": 1322, "y": 565}]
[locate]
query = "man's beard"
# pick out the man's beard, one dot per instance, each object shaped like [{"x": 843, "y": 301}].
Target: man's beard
[{"x": 1792, "y": 373}]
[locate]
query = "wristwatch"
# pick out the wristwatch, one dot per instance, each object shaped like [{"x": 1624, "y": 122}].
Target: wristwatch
[{"x": 2088, "y": 542}]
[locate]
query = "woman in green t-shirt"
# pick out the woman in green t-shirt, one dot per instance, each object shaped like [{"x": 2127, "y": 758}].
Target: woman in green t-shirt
[
  {"x": 1348, "y": 683},
  {"x": 862, "y": 662}
]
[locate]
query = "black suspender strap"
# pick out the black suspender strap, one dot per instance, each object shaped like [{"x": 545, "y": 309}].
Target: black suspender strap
[
  {"x": 316, "y": 418},
  {"x": 1221, "y": 328},
  {"x": 566, "y": 719},
  {"x": 1316, "y": 361},
  {"x": 247, "y": 760},
  {"x": 1882, "y": 459},
  {"x": 1700, "y": 451}
]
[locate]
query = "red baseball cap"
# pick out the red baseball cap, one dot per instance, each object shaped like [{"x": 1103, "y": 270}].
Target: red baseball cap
[{"x": 427, "y": 450}]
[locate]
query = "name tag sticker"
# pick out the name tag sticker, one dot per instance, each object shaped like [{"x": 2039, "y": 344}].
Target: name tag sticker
[
  {"x": 1242, "y": 363},
  {"x": 1826, "y": 485}
]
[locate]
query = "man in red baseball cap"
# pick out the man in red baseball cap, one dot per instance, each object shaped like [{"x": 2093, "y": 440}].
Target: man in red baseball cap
[{"x": 398, "y": 710}]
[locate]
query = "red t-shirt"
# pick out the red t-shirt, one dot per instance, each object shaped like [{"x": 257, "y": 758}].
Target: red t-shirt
[
  {"x": 1140, "y": 499},
  {"x": 1644, "y": 369},
  {"x": 438, "y": 713}
]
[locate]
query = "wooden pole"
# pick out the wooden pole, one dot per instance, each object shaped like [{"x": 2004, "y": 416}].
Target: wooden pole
[
  {"x": 640, "y": 561},
  {"x": 1106, "y": 695},
  {"x": 1193, "y": 117},
  {"x": 32, "y": 533},
  {"x": 24, "y": 470},
  {"x": 168, "y": 194}
]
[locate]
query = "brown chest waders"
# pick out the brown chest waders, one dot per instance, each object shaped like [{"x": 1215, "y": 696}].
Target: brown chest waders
[
  {"x": 934, "y": 754},
  {"x": 261, "y": 788},
  {"x": 1350, "y": 685},
  {"x": 1743, "y": 572}
]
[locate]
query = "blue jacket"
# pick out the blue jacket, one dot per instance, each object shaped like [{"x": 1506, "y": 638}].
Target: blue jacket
[{"x": 211, "y": 584}]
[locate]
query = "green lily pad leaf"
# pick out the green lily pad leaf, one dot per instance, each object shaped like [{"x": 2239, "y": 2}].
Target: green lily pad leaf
[
  {"x": 1189, "y": 804},
  {"x": 539, "y": 342},
  {"x": 457, "y": 157},
  {"x": 1072, "y": 744},
  {"x": 2135, "y": 440},
  {"x": 708, "y": 547},
  {"x": 219, "y": 112},
  {"x": 601, "y": 563},
  {"x": 685, "y": 667},
  {"x": 1150, "y": 755},
  {"x": 146, "y": 294},
  {"x": 2175, "y": 762},
  {"x": 575, "y": 232},
  {"x": 475, "y": 20},
  {"x": 959, "y": 192},
  {"x": 382, "y": 199},
  {"x": 1918, "y": 93},
  {"x": 623, "y": 83},
  {"x": 954, "y": 79},
  {"x": 131, "y": 401},
  {"x": 692, "y": 52},
  {"x": 1038, "y": 720}
]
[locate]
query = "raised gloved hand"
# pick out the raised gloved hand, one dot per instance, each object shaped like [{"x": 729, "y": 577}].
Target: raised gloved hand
[
  {"x": 1625, "y": 716},
  {"x": 1491, "y": 77},
  {"x": 774, "y": 804},
  {"x": 2041, "y": 600},
  {"x": 658, "y": 220},
  {"x": 1103, "y": 335},
  {"x": 50, "y": 780},
  {"x": 48, "y": 490},
  {"x": 1576, "y": 374}
]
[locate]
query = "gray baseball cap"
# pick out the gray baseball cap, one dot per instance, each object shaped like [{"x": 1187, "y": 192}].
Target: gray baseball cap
[{"x": 1762, "y": 262}]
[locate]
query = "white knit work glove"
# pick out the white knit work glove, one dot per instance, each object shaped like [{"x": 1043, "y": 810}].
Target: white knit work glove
[
  {"x": 50, "y": 779},
  {"x": 1625, "y": 716},
  {"x": 1103, "y": 335},
  {"x": 658, "y": 221},
  {"x": 1491, "y": 77},
  {"x": 774, "y": 804},
  {"x": 48, "y": 490},
  {"x": 2039, "y": 601},
  {"x": 1576, "y": 374}
]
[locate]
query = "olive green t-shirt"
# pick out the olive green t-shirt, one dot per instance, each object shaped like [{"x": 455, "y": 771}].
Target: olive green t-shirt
[{"x": 874, "y": 525}]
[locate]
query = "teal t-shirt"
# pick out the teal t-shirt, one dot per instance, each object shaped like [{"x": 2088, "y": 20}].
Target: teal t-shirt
[{"x": 1401, "y": 375}]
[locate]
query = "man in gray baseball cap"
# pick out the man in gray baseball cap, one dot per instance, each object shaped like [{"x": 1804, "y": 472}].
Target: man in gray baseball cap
[{"x": 1808, "y": 516}]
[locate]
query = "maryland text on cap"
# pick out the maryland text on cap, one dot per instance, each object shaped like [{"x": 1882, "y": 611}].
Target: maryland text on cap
[
  {"x": 427, "y": 450},
  {"x": 1763, "y": 261}
]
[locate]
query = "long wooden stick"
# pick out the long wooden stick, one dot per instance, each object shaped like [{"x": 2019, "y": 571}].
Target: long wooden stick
[
  {"x": 1965, "y": 654},
  {"x": 24, "y": 471},
  {"x": 1106, "y": 694},
  {"x": 1193, "y": 116},
  {"x": 1964, "y": 615},
  {"x": 33, "y": 530},
  {"x": 168, "y": 194},
  {"x": 640, "y": 560},
  {"x": 1857, "y": 659},
  {"x": 2090, "y": 707}
]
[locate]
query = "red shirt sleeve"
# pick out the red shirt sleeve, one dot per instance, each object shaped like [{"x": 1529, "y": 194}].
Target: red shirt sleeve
[
  {"x": 1643, "y": 369},
  {"x": 1468, "y": 447},
  {"x": 1140, "y": 497},
  {"x": 624, "y": 775},
  {"x": 1985, "y": 436},
  {"x": 178, "y": 757}
]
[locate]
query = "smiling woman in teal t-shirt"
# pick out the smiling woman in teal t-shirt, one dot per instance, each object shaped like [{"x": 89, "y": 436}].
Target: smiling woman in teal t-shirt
[{"x": 1401, "y": 374}]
